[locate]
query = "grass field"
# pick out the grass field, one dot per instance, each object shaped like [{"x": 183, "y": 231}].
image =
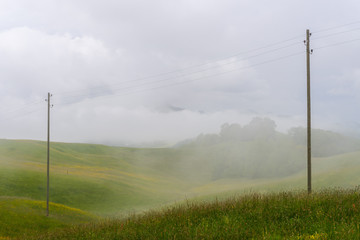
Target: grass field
[
  {"x": 21, "y": 217},
  {"x": 115, "y": 181},
  {"x": 323, "y": 215},
  {"x": 103, "y": 180}
]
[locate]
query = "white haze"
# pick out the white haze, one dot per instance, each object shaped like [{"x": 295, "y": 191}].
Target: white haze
[{"x": 92, "y": 57}]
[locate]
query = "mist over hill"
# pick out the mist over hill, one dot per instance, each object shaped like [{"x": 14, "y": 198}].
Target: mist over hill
[
  {"x": 110, "y": 180},
  {"x": 257, "y": 150}
]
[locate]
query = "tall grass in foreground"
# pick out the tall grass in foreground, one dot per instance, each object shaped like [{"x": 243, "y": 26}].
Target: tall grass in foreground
[
  {"x": 21, "y": 216},
  {"x": 324, "y": 215}
]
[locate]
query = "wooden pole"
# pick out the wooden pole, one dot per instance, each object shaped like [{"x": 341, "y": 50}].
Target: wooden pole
[
  {"x": 48, "y": 157},
  {"x": 308, "y": 34}
]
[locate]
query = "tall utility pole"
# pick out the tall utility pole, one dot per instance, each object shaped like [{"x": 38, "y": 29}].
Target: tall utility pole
[
  {"x": 48, "y": 155},
  {"x": 308, "y": 51}
]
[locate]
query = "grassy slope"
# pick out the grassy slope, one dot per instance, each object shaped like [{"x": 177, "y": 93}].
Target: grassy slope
[
  {"x": 110, "y": 180},
  {"x": 325, "y": 215},
  {"x": 91, "y": 177},
  {"x": 341, "y": 171},
  {"x": 21, "y": 216}
]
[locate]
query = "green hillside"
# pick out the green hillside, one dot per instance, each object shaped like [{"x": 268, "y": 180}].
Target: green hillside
[
  {"x": 21, "y": 217},
  {"x": 286, "y": 215},
  {"x": 97, "y": 178},
  {"x": 109, "y": 181},
  {"x": 117, "y": 181}
]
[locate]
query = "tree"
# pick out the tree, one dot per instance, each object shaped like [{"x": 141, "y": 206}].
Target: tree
[{"x": 259, "y": 128}]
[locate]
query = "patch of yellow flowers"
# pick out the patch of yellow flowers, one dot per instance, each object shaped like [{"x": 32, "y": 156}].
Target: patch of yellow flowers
[{"x": 318, "y": 236}]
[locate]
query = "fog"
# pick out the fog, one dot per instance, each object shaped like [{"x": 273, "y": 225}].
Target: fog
[
  {"x": 255, "y": 150},
  {"x": 153, "y": 74},
  {"x": 237, "y": 158}
]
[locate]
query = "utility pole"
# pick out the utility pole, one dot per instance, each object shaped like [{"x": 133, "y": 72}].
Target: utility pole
[
  {"x": 308, "y": 51},
  {"x": 48, "y": 155}
]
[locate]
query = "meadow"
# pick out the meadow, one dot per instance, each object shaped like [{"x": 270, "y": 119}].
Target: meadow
[
  {"x": 323, "y": 215},
  {"x": 96, "y": 182},
  {"x": 21, "y": 217}
]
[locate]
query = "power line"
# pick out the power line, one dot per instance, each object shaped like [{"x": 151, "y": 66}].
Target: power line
[
  {"x": 19, "y": 112},
  {"x": 219, "y": 64},
  {"x": 21, "y": 107},
  {"x": 196, "y": 79},
  {"x": 339, "y": 43},
  {"x": 204, "y": 64},
  {"x": 336, "y": 27},
  {"x": 193, "y": 80},
  {"x": 334, "y": 34},
  {"x": 214, "y": 62},
  {"x": 192, "y": 73},
  {"x": 2, "y": 120},
  {"x": 231, "y": 56}
]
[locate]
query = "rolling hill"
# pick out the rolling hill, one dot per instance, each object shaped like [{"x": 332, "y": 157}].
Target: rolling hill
[
  {"x": 118, "y": 181},
  {"x": 115, "y": 180},
  {"x": 101, "y": 179}
]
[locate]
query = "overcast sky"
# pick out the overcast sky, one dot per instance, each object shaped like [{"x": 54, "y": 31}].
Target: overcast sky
[{"x": 125, "y": 71}]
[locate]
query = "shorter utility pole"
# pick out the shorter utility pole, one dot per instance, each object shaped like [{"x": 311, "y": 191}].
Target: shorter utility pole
[
  {"x": 48, "y": 155},
  {"x": 308, "y": 51}
]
